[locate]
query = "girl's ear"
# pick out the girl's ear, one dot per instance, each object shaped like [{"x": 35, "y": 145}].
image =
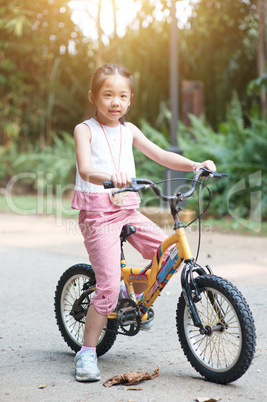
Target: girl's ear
[{"x": 91, "y": 97}]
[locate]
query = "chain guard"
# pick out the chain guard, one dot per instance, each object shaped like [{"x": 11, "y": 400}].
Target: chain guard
[{"x": 128, "y": 317}]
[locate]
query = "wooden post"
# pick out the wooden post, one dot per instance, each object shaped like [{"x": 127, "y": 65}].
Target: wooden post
[
  {"x": 173, "y": 186},
  {"x": 173, "y": 81}
]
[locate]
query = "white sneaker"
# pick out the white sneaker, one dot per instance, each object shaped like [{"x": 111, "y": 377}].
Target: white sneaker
[
  {"x": 86, "y": 366},
  {"x": 148, "y": 324}
]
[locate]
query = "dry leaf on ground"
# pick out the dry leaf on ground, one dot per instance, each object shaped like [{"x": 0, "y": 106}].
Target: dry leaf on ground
[
  {"x": 130, "y": 378},
  {"x": 207, "y": 400},
  {"x": 134, "y": 388}
]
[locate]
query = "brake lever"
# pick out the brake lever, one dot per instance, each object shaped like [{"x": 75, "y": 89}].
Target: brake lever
[{"x": 136, "y": 186}]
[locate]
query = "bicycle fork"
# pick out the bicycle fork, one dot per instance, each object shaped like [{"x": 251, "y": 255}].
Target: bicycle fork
[
  {"x": 191, "y": 292},
  {"x": 189, "y": 286}
]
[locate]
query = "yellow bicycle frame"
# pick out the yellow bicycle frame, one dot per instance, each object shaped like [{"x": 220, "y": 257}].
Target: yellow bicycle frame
[{"x": 149, "y": 276}]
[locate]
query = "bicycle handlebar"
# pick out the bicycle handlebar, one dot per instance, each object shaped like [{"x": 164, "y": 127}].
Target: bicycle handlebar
[{"x": 141, "y": 184}]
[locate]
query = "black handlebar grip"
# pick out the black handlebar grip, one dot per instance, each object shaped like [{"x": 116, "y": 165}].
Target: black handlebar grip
[{"x": 108, "y": 184}]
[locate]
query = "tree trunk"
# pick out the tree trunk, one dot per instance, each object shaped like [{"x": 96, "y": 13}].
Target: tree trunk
[
  {"x": 114, "y": 8},
  {"x": 261, "y": 52},
  {"x": 99, "y": 53},
  {"x": 264, "y": 5}
]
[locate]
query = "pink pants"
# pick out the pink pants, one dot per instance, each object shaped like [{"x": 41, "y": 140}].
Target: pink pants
[{"x": 101, "y": 233}]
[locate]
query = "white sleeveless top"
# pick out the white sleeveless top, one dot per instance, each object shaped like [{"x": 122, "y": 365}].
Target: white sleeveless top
[
  {"x": 92, "y": 197},
  {"x": 101, "y": 155}
]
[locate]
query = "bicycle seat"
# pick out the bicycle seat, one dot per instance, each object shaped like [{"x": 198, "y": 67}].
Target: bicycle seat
[{"x": 126, "y": 231}]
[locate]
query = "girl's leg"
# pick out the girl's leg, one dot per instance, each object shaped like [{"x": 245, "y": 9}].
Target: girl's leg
[
  {"x": 86, "y": 359},
  {"x": 103, "y": 247},
  {"x": 148, "y": 235},
  {"x": 146, "y": 240},
  {"x": 93, "y": 327}
]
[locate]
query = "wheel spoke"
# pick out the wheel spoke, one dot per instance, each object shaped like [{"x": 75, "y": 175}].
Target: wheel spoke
[
  {"x": 220, "y": 348},
  {"x": 73, "y": 295},
  {"x": 225, "y": 350},
  {"x": 72, "y": 291}
]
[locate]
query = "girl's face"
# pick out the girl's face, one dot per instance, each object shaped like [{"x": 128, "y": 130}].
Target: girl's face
[{"x": 112, "y": 100}]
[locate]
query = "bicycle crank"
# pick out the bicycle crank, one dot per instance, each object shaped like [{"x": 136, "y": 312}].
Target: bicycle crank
[{"x": 128, "y": 317}]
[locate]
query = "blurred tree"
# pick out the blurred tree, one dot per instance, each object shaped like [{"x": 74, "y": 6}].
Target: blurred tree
[
  {"x": 46, "y": 62},
  {"x": 146, "y": 53},
  {"x": 218, "y": 45},
  {"x": 38, "y": 69},
  {"x": 219, "y": 48}
]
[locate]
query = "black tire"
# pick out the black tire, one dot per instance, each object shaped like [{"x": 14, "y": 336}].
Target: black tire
[
  {"x": 71, "y": 312},
  {"x": 226, "y": 353}
]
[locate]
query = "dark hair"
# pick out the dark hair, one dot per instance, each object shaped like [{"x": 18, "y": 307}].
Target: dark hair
[{"x": 103, "y": 72}]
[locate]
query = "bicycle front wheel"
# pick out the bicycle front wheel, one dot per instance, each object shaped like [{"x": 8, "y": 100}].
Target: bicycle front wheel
[{"x": 226, "y": 351}]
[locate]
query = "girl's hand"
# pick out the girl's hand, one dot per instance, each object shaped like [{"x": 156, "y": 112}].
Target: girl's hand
[
  {"x": 206, "y": 164},
  {"x": 121, "y": 180}
]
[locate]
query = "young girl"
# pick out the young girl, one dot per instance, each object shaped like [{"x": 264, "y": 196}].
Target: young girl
[{"x": 104, "y": 152}]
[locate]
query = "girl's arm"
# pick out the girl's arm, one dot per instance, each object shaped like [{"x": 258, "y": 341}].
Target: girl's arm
[
  {"x": 168, "y": 159},
  {"x": 82, "y": 138}
]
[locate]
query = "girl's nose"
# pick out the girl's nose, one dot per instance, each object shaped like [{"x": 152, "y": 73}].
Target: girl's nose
[{"x": 115, "y": 102}]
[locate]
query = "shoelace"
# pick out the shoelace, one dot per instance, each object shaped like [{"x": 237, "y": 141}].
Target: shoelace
[{"x": 88, "y": 358}]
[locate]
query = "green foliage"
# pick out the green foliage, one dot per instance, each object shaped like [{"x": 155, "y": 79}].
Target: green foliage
[
  {"x": 54, "y": 166},
  {"x": 146, "y": 52},
  {"x": 46, "y": 62},
  {"x": 237, "y": 150},
  {"x": 146, "y": 168},
  {"x": 8, "y": 157},
  {"x": 38, "y": 68},
  {"x": 220, "y": 49},
  {"x": 256, "y": 85}
]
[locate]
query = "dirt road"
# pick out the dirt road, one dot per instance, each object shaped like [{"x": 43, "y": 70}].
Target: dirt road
[{"x": 36, "y": 364}]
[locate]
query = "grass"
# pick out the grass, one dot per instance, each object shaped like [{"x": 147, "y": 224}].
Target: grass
[
  {"x": 32, "y": 205},
  {"x": 229, "y": 225}
]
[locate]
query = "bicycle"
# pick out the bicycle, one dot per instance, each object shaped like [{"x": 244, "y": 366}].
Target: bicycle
[{"x": 214, "y": 323}]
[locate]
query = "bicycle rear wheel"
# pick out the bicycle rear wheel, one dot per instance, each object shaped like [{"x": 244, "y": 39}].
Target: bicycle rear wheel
[
  {"x": 73, "y": 294},
  {"x": 225, "y": 353}
]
